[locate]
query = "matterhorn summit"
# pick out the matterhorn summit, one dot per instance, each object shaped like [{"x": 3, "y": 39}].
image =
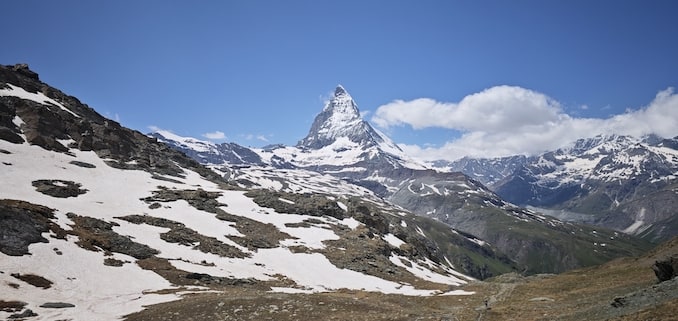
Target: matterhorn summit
[{"x": 341, "y": 119}]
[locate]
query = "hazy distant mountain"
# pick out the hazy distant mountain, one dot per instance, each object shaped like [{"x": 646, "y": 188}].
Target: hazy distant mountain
[
  {"x": 625, "y": 183},
  {"x": 620, "y": 182},
  {"x": 485, "y": 170}
]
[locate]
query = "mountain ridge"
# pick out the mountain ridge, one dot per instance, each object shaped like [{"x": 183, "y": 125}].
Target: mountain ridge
[
  {"x": 616, "y": 181},
  {"x": 452, "y": 198}
]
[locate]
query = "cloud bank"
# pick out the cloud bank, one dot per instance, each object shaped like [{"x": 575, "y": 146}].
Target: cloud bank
[{"x": 509, "y": 120}]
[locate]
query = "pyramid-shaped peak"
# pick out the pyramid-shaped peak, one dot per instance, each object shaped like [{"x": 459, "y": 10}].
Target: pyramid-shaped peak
[
  {"x": 340, "y": 91},
  {"x": 341, "y": 119}
]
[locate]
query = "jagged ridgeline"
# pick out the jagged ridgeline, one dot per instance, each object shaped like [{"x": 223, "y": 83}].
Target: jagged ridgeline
[
  {"x": 98, "y": 221},
  {"x": 342, "y": 145}
]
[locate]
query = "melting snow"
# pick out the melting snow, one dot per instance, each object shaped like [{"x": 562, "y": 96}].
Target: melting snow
[
  {"x": 39, "y": 97},
  {"x": 113, "y": 193},
  {"x": 393, "y": 240}
]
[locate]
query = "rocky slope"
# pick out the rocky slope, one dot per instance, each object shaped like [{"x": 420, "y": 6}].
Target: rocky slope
[
  {"x": 98, "y": 221},
  {"x": 342, "y": 145},
  {"x": 623, "y": 289}
]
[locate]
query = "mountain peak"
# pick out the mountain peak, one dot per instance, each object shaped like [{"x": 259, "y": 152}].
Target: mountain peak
[
  {"x": 340, "y": 125},
  {"x": 340, "y": 91},
  {"x": 341, "y": 106},
  {"x": 339, "y": 118}
]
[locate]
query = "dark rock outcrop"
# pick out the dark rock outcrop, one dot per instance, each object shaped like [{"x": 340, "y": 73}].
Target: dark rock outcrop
[
  {"x": 22, "y": 224},
  {"x": 180, "y": 234},
  {"x": 34, "y": 280},
  {"x": 95, "y": 234},
  {"x": 58, "y": 188},
  {"x": 57, "y": 305},
  {"x": 26, "y": 314},
  {"x": 666, "y": 269}
]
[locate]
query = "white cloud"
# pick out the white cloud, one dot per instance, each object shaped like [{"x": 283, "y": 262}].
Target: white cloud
[
  {"x": 215, "y": 135},
  {"x": 506, "y": 120},
  {"x": 494, "y": 109}
]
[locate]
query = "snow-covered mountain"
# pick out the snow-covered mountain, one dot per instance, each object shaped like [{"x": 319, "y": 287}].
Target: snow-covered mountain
[
  {"x": 626, "y": 183},
  {"x": 98, "y": 221},
  {"x": 341, "y": 146},
  {"x": 207, "y": 152},
  {"x": 488, "y": 171},
  {"x": 340, "y": 120},
  {"x": 621, "y": 182}
]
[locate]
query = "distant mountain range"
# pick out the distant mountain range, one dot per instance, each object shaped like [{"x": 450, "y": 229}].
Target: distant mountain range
[
  {"x": 625, "y": 183},
  {"x": 342, "y": 145}
]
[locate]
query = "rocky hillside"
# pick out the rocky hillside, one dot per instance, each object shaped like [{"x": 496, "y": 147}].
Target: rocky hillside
[{"x": 98, "y": 221}]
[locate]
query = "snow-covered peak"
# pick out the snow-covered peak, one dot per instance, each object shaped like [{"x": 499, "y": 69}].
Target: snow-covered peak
[
  {"x": 340, "y": 122},
  {"x": 339, "y": 118},
  {"x": 340, "y": 91},
  {"x": 341, "y": 108}
]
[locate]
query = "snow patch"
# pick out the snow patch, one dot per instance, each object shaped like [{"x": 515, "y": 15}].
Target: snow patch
[
  {"x": 39, "y": 97},
  {"x": 393, "y": 240}
]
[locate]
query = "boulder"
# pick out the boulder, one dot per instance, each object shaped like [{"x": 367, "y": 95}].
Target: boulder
[{"x": 666, "y": 269}]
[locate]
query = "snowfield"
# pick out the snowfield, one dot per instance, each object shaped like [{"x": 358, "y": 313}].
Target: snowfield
[{"x": 101, "y": 292}]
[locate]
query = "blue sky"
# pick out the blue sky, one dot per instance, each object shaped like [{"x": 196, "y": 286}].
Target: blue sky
[{"x": 259, "y": 71}]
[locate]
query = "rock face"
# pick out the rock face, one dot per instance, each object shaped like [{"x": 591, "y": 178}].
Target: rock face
[
  {"x": 666, "y": 269},
  {"x": 619, "y": 182},
  {"x": 22, "y": 224}
]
